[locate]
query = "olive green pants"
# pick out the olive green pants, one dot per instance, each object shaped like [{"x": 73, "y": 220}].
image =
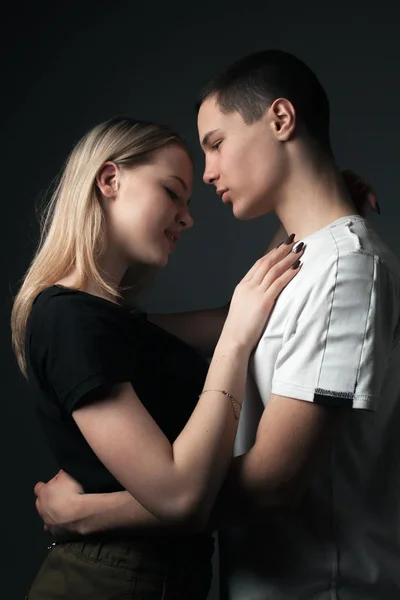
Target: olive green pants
[{"x": 123, "y": 571}]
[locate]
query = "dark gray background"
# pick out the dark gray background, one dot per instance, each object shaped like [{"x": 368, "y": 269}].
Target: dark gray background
[{"x": 67, "y": 67}]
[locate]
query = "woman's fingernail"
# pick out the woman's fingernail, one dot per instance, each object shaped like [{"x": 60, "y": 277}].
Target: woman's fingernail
[
  {"x": 296, "y": 264},
  {"x": 298, "y": 247},
  {"x": 289, "y": 240}
]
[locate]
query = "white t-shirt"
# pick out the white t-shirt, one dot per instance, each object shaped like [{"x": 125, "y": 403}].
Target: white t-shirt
[{"x": 333, "y": 338}]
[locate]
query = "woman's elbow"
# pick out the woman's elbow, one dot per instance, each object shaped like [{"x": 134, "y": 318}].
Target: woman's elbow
[
  {"x": 182, "y": 511},
  {"x": 191, "y": 513}
]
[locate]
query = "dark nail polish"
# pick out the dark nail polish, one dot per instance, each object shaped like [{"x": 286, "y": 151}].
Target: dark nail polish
[
  {"x": 298, "y": 247},
  {"x": 289, "y": 240},
  {"x": 378, "y": 208},
  {"x": 296, "y": 264}
]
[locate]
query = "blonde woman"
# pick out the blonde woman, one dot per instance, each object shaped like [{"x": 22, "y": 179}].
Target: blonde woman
[{"x": 123, "y": 403}]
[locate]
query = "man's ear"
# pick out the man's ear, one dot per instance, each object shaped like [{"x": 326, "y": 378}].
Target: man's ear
[
  {"x": 283, "y": 119},
  {"x": 107, "y": 179}
]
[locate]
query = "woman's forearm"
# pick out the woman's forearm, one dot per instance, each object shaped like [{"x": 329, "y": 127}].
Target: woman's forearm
[
  {"x": 203, "y": 450},
  {"x": 95, "y": 513}
]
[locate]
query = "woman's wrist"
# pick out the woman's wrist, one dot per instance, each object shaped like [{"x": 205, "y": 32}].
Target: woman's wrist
[
  {"x": 231, "y": 346},
  {"x": 78, "y": 514}
]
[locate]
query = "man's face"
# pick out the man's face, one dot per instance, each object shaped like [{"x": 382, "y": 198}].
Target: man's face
[{"x": 246, "y": 163}]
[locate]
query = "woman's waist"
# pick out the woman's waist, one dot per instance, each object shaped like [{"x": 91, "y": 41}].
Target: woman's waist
[{"x": 142, "y": 551}]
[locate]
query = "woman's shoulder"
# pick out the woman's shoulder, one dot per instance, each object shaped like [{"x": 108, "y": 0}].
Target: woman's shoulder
[
  {"x": 57, "y": 297},
  {"x": 62, "y": 308}
]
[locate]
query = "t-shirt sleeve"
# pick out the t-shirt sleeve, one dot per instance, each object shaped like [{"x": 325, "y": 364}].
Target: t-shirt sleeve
[
  {"x": 337, "y": 341},
  {"x": 77, "y": 345}
]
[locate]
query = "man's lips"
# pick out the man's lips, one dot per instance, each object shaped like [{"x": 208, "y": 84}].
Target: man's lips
[{"x": 222, "y": 193}]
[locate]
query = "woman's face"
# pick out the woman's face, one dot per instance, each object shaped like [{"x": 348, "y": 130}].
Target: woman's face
[{"x": 148, "y": 208}]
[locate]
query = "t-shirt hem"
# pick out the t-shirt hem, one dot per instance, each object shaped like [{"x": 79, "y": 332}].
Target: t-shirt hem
[
  {"x": 358, "y": 401},
  {"x": 89, "y": 385}
]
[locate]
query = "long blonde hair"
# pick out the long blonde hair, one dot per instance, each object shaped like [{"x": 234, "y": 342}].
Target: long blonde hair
[{"x": 72, "y": 228}]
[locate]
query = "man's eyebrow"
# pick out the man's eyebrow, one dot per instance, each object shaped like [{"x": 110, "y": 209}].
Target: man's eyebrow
[{"x": 206, "y": 138}]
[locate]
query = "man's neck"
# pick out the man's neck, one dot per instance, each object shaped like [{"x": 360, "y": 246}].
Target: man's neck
[{"x": 313, "y": 197}]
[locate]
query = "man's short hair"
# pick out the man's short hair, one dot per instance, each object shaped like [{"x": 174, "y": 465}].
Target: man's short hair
[{"x": 250, "y": 85}]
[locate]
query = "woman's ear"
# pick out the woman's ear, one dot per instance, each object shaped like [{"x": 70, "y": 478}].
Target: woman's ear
[
  {"x": 283, "y": 119},
  {"x": 107, "y": 180}
]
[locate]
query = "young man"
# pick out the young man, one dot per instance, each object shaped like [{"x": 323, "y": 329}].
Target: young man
[
  {"x": 318, "y": 440},
  {"x": 314, "y": 488}
]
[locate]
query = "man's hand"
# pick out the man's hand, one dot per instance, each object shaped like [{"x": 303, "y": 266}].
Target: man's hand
[
  {"x": 55, "y": 502},
  {"x": 361, "y": 192}
]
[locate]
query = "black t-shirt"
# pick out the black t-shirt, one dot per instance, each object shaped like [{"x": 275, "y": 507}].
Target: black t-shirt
[{"x": 76, "y": 343}]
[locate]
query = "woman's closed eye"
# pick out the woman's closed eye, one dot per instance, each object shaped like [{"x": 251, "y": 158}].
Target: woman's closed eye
[
  {"x": 216, "y": 145},
  {"x": 172, "y": 194}
]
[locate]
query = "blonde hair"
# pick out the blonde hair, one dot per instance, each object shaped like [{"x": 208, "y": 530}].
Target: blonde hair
[{"x": 72, "y": 231}]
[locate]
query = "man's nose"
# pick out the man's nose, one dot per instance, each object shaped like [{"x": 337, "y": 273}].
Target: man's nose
[{"x": 210, "y": 174}]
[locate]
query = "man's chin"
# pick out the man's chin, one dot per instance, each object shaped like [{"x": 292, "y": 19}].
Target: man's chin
[
  {"x": 251, "y": 210},
  {"x": 243, "y": 212}
]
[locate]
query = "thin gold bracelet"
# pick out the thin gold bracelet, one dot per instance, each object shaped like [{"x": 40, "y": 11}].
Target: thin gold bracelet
[{"x": 235, "y": 403}]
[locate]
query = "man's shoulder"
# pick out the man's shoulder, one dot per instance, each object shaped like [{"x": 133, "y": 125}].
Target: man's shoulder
[
  {"x": 349, "y": 243},
  {"x": 357, "y": 236}
]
